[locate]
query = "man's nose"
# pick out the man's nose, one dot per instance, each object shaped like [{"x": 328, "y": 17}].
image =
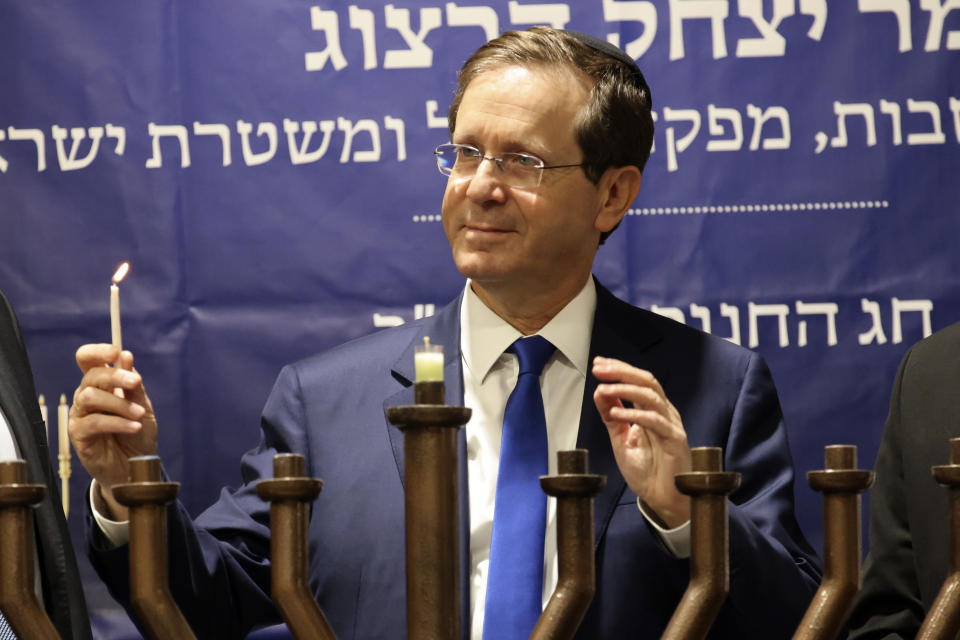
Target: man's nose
[{"x": 487, "y": 182}]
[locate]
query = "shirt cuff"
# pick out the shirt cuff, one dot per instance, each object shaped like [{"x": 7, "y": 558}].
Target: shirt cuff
[
  {"x": 676, "y": 540},
  {"x": 116, "y": 533}
]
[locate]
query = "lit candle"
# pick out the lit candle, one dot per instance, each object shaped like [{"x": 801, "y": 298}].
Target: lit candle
[
  {"x": 115, "y": 307},
  {"x": 428, "y": 361},
  {"x": 63, "y": 453}
]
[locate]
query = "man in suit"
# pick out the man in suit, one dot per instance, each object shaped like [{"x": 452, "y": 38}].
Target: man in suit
[
  {"x": 549, "y": 134},
  {"x": 909, "y": 524},
  {"x": 24, "y": 435}
]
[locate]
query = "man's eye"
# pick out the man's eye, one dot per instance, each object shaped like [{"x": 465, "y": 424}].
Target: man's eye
[
  {"x": 470, "y": 153},
  {"x": 525, "y": 161}
]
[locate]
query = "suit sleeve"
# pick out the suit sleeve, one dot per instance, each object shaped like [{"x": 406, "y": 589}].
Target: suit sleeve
[
  {"x": 770, "y": 560},
  {"x": 220, "y": 563},
  {"x": 889, "y": 604}
]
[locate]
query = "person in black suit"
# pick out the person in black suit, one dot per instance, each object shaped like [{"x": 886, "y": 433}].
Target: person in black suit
[
  {"x": 60, "y": 579},
  {"x": 908, "y": 557}
]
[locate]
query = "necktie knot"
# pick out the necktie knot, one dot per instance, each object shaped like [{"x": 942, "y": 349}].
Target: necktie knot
[{"x": 533, "y": 353}]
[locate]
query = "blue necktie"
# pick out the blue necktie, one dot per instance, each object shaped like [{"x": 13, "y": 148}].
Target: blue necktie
[
  {"x": 6, "y": 633},
  {"x": 515, "y": 578}
]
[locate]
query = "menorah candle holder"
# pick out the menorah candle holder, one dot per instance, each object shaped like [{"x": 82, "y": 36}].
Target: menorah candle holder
[
  {"x": 431, "y": 487},
  {"x": 574, "y": 490},
  {"x": 943, "y": 619},
  {"x": 708, "y": 487},
  {"x": 841, "y": 484},
  {"x": 146, "y": 495},
  {"x": 290, "y": 494},
  {"x": 18, "y": 600}
]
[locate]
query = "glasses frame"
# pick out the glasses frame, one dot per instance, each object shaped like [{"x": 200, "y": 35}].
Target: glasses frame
[{"x": 498, "y": 161}]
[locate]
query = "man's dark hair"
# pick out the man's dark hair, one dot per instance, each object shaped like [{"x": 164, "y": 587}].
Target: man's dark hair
[{"x": 615, "y": 127}]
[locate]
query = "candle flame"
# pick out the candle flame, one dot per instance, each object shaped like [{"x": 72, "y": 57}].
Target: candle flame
[
  {"x": 426, "y": 342},
  {"x": 121, "y": 272}
]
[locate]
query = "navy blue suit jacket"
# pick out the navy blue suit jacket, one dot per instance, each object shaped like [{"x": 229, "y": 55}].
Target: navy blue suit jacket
[{"x": 331, "y": 408}]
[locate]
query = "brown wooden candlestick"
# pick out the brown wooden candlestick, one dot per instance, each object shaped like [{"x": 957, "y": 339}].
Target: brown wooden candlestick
[
  {"x": 147, "y": 496},
  {"x": 431, "y": 479},
  {"x": 943, "y": 619},
  {"x": 708, "y": 487},
  {"x": 18, "y": 600},
  {"x": 290, "y": 494},
  {"x": 841, "y": 484},
  {"x": 576, "y": 582}
]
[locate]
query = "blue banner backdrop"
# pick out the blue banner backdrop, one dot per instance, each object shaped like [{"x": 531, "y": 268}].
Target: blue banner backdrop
[{"x": 267, "y": 170}]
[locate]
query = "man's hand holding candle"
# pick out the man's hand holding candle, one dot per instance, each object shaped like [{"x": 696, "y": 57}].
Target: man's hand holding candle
[{"x": 106, "y": 429}]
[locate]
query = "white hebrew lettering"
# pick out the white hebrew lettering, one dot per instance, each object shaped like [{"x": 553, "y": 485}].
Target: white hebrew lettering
[
  {"x": 955, "y": 109},
  {"x": 903, "y": 306},
  {"x": 220, "y": 130},
  {"x": 770, "y": 42},
  {"x": 817, "y": 9},
  {"x": 828, "y": 309},
  {"x": 714, "y": 10},
  {"x": 553, "y": 15},
  {"x": 714, "y": 116},
  {"x": 418, "y": 55},
  {"x": 264, "y": 128},
  {"x": 386, "y": 321},
  {"x": 433, "y": 120},
  {"x": 669, "y": 312},
  {"x": 875, "y": 334},
  {"x": 362, "y": 20},
  {"x": 702, "y": 314},
  {"x": 35, "y": 136},
  {"x": 757, "y": 310},
  {"x": 892, "y": 109},
  {"x": 120, "y": 134},
  {"x": 423, "y": 311},
  {"x": 397, "y": 125},
  {"x": 854, "y": 109},
  {"x": 760, "y": 118},
  {"x": 327, "y": 22},
  {"x": 299, "y": 153},
  {"x": 176, "y": 130},
  {"x": 633, "y": 11},
  {"x": 483, "y": 17},
  {"x": 933, "y": 137},
  {"x": 350, "y": 130},
  {"x": 673, "y": 148},
  {"x": 733, "y": 313},
  {"x": 900, "y": 9},
  {"x": 938, "y": 13},
  {"x": 69, "y": 162}
]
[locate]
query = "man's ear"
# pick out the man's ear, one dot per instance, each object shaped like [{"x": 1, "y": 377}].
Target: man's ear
[{"x": 617, "y": 189}]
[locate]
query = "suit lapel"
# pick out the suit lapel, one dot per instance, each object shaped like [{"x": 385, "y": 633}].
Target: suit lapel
[{"x": 616, "y": 335}]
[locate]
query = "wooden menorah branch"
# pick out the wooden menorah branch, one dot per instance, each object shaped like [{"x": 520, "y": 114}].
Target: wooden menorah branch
[
  {"x": 431, "y": 479},
  {"x": 943, "y": 619},
  {"x": 841, "y": 484},
  {"x": 708, "y": 487},
  {"x": 18, "y": 600},
  {"x": 574, "y": 489},
  {"x": 290, "y": 494},
  {"x": 146, "y": 495}
]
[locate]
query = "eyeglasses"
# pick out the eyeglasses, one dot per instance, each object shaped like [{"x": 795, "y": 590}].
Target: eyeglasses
[{"x": 521, "y": 170}]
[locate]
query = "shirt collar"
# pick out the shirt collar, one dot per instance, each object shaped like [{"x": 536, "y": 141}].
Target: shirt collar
[{"x": 485, "y": 335}]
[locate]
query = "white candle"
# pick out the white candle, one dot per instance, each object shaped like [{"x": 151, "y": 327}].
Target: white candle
[
  {"x": 63, "y": 422},
  {"x": 115, "y": 333},
  {"x": 428, "y": 362},
  {"x": 42, "y": 401}
]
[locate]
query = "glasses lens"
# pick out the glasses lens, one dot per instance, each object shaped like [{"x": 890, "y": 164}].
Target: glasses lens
[{"x": 521, "y": 169}]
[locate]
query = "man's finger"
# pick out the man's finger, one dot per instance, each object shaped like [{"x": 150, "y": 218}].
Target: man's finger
[
  {"x": 99, "y": 424},
  {"x": 95, "y": 355},
  {"x": 93, "y": 400}
]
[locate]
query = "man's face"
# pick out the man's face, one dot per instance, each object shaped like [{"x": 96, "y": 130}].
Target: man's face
[{"x": 502, "y": 235}]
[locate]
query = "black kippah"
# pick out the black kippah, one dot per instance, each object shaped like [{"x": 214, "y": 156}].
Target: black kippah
[{"x": 614, "y": 52}]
